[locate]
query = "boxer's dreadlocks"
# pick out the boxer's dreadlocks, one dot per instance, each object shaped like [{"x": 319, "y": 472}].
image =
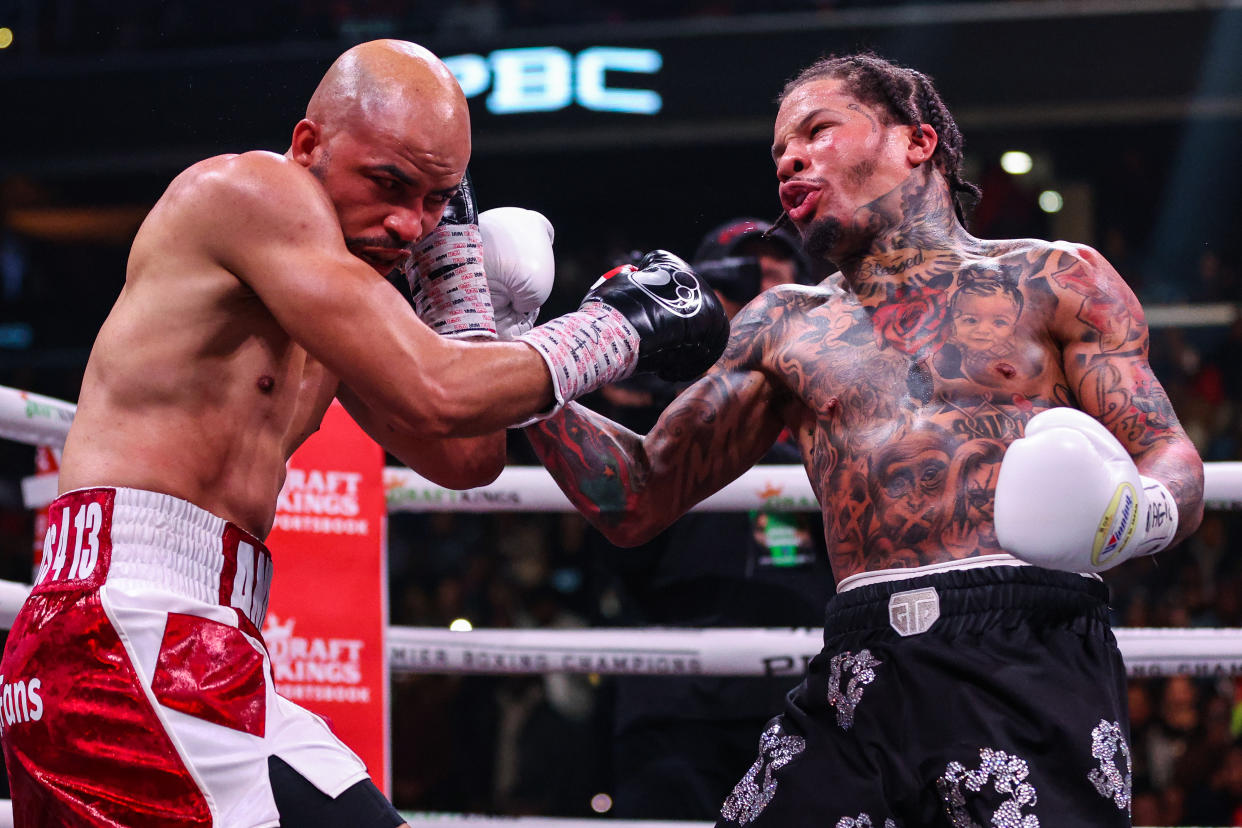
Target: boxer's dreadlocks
[{"x": 909, "y": 97}]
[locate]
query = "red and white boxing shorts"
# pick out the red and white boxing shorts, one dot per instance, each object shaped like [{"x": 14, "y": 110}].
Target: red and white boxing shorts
[{"x": 137, "y": 689}]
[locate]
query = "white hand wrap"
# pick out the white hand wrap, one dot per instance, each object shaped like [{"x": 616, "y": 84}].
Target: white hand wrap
[
  {"x": 584, "y": 350},
  {"x": 448, "y": 283}
]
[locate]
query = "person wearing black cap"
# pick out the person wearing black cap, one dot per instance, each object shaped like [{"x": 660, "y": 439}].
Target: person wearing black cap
[
  {"x": 680, "y": 743},
  {"x": 744, "y": 257}
]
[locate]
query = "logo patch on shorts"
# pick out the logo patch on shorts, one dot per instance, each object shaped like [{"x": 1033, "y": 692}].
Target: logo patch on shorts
[{"x": 914, "y": 611}]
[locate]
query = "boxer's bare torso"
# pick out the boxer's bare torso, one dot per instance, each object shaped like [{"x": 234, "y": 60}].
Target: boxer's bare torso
[
  {"x": 903, "y": 382},
  {"x": 904, "y": 376},
  {"x": 255, "y": 294},
  {"x": 193, "y": 388},
  {"x": 904, "y": 396}
]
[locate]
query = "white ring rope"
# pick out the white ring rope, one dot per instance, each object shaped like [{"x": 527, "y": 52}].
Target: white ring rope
[
  {"x": 421, "y": 819},
  {"x": 450, "y": 820},
  {"x": 724, "y": 651},
  {"x": 1147, "y": 652},
  {"x": 38, "y": 420}
]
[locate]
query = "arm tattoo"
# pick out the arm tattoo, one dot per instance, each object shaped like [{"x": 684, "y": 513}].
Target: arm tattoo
[{"x": 597, "y": 468}]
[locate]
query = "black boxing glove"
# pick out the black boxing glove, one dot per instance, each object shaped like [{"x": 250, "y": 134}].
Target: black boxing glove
[
  {"x": 448, "y": 285},
  {"x": 658, "y": 317},
  {"x": 680, "y": 322}
]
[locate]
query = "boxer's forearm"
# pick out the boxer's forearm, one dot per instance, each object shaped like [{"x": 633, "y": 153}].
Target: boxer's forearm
[
  {"x": 601, "y": 467},
  {"x": 632, "y": 487},
  {"x": 452, "y": 462},
  {"x": 456, "y": 463},
  {"x": 1176, "y": 464}
]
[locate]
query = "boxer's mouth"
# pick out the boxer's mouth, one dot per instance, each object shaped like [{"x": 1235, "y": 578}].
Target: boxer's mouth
[
  {"x": 799, "y": 199},
  {"x": 382, "y": 258}
]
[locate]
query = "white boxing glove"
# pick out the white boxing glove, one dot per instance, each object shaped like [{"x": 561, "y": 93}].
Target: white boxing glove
[
  {"x": 517, "y": 257},
  {"x": 1070, "y": 497}
]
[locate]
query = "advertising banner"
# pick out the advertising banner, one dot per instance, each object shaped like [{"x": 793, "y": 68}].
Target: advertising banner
[{"x": 328, "y": 611}]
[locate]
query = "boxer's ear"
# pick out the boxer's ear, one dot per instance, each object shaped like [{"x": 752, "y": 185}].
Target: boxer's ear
[
  {"x": 922, "y": 144},
  {"x": 307, "y": 137}
]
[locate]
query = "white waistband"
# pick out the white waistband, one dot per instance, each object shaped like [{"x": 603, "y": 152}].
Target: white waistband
[
  {"x": 165, "y": 542},
  {"x": 880, "y": 576}
]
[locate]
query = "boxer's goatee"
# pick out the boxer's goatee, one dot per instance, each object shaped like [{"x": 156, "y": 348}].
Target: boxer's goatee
[{"x": 821, "y": 237}]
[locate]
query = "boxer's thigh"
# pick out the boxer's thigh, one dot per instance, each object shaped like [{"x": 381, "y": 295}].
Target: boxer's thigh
[
  {"x": 1025, "y": 723},
  {"x": 210, "y": 684}
]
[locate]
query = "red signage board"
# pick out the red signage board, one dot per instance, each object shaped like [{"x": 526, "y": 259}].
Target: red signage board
[{"x": 328, "y": 612}]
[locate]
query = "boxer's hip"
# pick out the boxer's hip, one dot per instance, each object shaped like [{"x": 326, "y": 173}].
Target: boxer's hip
[{"x": 137, "y": 541}]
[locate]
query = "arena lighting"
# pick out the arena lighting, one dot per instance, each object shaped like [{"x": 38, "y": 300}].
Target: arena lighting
[
  {"x": 6, "y": 37},
  {"x": 601, "y": 803},
  {"x": 1016, "y": 162},
  {"x": 461, "y": 625},
  {"x": 1050, "y": 201},
  {"x": 548, "y": 78}
]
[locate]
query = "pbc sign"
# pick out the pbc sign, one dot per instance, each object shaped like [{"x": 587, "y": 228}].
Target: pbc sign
[{"x": 548, "y": 78}]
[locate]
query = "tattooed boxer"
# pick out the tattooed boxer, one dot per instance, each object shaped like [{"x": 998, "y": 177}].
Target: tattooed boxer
[{"x": 981, "y": 426}]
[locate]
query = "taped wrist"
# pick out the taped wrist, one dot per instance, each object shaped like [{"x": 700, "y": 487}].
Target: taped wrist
[
  {"x": 584, "y": 350},
  {"x": 1160, "y": 521},
  {"x": 448, "y": 284}
]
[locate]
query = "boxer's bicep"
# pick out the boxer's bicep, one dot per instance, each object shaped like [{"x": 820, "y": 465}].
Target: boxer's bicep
[
  {"x": 1104, "y": 342},
  {"x": 1104, "y": 339},
  {"x": 714, "y": 431}
]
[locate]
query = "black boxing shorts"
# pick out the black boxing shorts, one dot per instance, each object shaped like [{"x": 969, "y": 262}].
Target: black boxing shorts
[{"x": 985, "y": 696}]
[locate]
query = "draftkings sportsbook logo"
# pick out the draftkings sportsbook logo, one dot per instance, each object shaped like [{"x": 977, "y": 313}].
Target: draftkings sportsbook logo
[
  {"x": 321, "y": 501},
  {"x": 315, "y": 668}
]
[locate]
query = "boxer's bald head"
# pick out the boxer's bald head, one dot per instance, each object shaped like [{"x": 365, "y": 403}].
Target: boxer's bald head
[
  {"x": 391, "y": 83},
  {"x": 387, "y": 133}
]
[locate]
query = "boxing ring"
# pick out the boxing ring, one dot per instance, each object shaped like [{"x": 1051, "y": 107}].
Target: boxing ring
[{"x": 38, "y": 420}]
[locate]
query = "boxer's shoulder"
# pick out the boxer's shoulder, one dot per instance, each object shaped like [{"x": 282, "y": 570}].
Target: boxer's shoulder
[
  {"x": 1032, "y": 258},
  {"x": 228, "y": 206},
  {"x": 796, "y": 298},
  {"x": 257, "y": 180}
]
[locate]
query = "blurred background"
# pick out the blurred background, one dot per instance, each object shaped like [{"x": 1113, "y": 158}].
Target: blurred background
[{"x": 643, "y": 124}]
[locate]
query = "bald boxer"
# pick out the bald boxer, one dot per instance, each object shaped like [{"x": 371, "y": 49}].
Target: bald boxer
[
  {"x": 983, "y": 431},
  {"x": 137, "y": 689}
]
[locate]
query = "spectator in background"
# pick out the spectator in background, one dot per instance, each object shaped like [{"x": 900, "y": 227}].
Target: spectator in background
[{"x": 680, "y": 743}]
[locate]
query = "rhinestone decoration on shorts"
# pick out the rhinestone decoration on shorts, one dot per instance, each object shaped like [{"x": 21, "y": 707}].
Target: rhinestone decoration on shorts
[
  {"x": 862, "y": 821},
  {"x": 1007, "y": 775},
  {"x": 752, "y": 795},
  {"x": 861, "y": 671},
  {"x": 1107, "y": 740}
]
